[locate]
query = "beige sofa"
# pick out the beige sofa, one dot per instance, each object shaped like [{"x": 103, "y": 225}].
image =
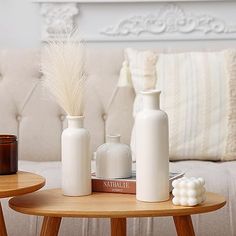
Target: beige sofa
[{"x": 26, "y": 109}]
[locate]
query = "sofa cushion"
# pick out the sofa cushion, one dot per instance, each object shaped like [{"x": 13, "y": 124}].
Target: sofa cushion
[{"x": 198, "y": 94}]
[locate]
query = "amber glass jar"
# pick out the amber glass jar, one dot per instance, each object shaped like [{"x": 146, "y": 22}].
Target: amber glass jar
[{"x": 8, "y": 154}]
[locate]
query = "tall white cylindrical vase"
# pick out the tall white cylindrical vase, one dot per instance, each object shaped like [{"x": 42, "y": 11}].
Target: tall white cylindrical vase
[
  {"x": 76, "y": 161},
  {"x": 152, "y": 150}
]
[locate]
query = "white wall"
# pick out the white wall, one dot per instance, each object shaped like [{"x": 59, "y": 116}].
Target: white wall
[{"x": 19, "y": 24}]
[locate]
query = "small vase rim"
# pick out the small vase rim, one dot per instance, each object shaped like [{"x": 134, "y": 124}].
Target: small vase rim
[
  {"x": 74, "y": 117},
  {"x": 113, "y": 138},
  {"x": 150, "y": 92},
  {"x": 113, "y": 135}
]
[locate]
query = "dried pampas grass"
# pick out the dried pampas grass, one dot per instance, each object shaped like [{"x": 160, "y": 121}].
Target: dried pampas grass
[{"x": 63, "y": 69}]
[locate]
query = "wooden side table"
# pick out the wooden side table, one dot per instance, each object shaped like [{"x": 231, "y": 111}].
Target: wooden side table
[
  {"x": 53, "y": 206},
  {"x": 17, "y": 184}
]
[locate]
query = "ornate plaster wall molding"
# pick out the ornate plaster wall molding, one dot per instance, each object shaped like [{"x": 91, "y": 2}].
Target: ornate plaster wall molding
[
  {"x": 57, "y": 18},
  {"x": 171, "y": 19}
]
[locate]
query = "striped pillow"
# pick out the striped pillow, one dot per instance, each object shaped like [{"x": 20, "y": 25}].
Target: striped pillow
[{"x": 199, "y": 96}]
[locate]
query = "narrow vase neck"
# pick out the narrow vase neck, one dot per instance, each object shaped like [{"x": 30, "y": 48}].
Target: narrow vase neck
[
  {"x": 75, "y": 121},
  {"x": 151, "y": 100},
  {"x": 113, "y": 138}
]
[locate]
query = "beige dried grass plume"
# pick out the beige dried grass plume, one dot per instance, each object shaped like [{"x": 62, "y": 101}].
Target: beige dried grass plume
[{"x": 63, "y": 70}]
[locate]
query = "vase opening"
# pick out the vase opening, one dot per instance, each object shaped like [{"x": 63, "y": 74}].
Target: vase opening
[
  {"x": 151, "y": 99},
  {"x": 113, "y": 138},
  {"x": 75, "y": 121}
]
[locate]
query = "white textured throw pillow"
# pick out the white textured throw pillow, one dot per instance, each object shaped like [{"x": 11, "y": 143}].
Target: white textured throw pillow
[{"x": 199, "y": 96}]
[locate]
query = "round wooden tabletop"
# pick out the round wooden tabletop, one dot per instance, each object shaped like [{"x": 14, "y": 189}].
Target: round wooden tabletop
[
  {"x": 53, "y": 203},
  {"x": 20, "y": 183}
]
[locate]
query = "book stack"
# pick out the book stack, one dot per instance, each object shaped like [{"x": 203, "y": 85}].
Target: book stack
[{"x": 127, "y": 185}]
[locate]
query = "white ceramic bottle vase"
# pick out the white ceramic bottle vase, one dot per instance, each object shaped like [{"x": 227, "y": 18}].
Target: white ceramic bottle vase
[
  {"x": 152, "y": 150},
  {"x": 76, "y": 161}
]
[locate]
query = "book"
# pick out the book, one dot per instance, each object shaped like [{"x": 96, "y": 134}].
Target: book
[{"x": 126, "y": 185}]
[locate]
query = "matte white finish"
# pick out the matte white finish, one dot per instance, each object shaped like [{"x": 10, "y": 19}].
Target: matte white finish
[
  {"x": 188, "y": 191},
  {"x": 76, "y": 162},
  {"x": 113, "y": 159},
  {"x": 152, "y": 150}
]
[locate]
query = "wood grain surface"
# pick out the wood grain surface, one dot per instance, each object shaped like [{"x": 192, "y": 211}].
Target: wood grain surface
[
  {"x": 3, "y": 230},
  {"x": 53, "y": 203},
  {"x": 50, "y": 226},
  {"x": 20, "y": 183},
  {"x": 118, "y": 226},
  {"x": 184, "y": 226}
]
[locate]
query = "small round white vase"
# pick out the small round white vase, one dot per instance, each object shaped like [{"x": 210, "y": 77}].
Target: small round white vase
[
  {"x": 113, "y": 159},
  {"x": 76, "y": 161},
  {"x": 152, "y": 150}
]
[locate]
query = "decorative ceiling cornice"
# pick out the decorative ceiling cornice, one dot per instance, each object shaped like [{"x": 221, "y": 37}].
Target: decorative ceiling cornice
[
  {"x": 171, "y": 19},
  {"x": 57, "y": 18}
]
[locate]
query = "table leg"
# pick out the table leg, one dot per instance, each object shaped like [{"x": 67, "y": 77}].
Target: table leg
[
  {"x": 3, "y": 231},
  {"x": 184, "y": 225},
  {"x": 50, "y": 226},
  {"x": 118, "y": 226}
]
